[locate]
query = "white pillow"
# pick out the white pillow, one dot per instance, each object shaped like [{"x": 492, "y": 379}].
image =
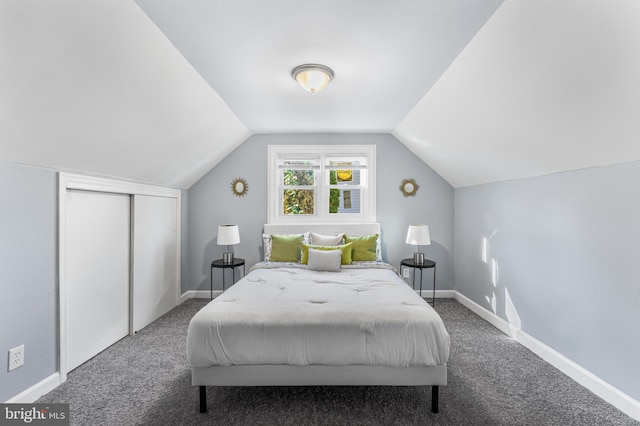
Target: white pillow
[
  {"x": 326, "y": 240},
  {"x": 324, "y": 260}
]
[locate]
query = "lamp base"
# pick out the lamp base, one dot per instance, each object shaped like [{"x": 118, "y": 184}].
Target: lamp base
[
  {"x": 418, "y": 258},
  {"x": 227, "y": 257}
]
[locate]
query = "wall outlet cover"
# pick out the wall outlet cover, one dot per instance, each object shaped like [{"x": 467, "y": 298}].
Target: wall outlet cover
[{"x": 16, "y": 357}]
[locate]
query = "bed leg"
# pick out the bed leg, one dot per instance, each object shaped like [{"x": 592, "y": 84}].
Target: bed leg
[
  {"x": 203, "y": 399},
  {"x": 434, "y": 399}
]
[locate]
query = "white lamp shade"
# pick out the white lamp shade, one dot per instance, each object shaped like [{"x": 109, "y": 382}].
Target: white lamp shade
[
  {"x": 228, "y": 235},
  {"x": 418, "y": 235}
]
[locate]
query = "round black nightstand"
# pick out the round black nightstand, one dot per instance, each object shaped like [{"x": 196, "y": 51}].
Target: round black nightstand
[
  {"x": 409, "y": 263},
  {"x": 237, "y": 262}
]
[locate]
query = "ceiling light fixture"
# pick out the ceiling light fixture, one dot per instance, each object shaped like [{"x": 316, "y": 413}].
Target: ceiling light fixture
[{"x": 312, "y": 77}]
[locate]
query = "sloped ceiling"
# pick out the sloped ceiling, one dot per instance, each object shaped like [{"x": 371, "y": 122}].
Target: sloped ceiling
[
  {"x": 385, "y": 55},
  {"x": 94, "y": 86},
  {"x": 161, "y": 91},
  {"x": 546, "y": 86}
]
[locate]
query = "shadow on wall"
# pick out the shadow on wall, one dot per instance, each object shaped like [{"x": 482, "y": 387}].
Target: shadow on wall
[
  {"x": 497, "y": 302},
  {"x": 441, "y": 255}
]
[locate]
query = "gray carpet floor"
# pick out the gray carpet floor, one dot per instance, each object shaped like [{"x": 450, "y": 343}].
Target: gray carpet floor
[{"x": 145, "y": 380}]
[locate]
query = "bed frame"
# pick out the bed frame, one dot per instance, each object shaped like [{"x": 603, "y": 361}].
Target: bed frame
[{"x": 319, "y": 375}]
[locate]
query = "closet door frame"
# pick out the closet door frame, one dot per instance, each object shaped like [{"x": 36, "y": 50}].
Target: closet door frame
[{"x": 67, "y": 181}]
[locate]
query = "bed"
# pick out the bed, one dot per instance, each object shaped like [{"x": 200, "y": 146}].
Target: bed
[{"x": 290, "y": 324}]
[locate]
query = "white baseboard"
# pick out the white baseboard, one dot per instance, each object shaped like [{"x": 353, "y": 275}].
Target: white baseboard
[
  {"x": 198, "y": 294},
  {"x": 604, "y": 390},
  {"x": 440, "y": 294},
  {"x": 486, "y": 315},
  {"x": 36, "y": 391}
]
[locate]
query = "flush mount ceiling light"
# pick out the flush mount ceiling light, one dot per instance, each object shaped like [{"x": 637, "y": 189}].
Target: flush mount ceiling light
[{"x": 312, "y": 77}]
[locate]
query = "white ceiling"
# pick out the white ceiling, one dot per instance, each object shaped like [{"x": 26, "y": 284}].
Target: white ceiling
[
  {"x": 385, "y": 55},
  {"x": 94, "y": 86},
  {"x": 162, "y": 95},
  {"x": 546, "y": 86}
]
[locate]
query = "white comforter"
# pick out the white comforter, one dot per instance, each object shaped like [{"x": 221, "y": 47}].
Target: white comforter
[{"x": 299, "y": 317}]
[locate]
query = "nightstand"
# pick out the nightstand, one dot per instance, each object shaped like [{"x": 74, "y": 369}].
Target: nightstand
[
  {"x": 237, "y": 262},
  {"x": 409, "y": 263}
]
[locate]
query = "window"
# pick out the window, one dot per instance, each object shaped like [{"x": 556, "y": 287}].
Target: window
[{"x": 321, "y": 183}]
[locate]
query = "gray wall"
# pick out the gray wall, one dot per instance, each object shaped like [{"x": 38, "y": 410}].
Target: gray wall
[
  {"x": 28, "y": 272},
  {"x": 566, "y": 250},
  {"x": 211, "y": 203}
]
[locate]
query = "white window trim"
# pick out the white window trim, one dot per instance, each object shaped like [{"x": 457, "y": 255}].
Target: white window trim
[{"x": 368, "y": 213}]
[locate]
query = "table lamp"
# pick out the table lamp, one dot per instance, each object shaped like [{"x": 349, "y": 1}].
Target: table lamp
[
  {"x": 228, "y": 235},
  {"x": 418, "y": 235}
]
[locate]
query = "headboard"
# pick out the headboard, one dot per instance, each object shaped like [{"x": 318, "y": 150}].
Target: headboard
[{"x": 323, "y": 228}]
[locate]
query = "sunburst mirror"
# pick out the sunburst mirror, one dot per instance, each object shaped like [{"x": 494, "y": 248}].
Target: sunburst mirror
[
  {"x": 239, "y": 187},
  {"x": 408, "y": 187}
]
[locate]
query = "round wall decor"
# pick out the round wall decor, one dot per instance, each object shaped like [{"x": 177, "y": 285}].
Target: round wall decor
[
  {"x": 239, "y": 187},
  {"x": 408, "y": 187}
]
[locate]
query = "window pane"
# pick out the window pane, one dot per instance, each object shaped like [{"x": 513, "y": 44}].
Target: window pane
[
  {"x": 346, "y": 177},
  {"x": 344, "y": 200},
  {"x": 298, "y": 201},
  {"x": 314, "y": 183},
  {"x": 298, "y": 177}
]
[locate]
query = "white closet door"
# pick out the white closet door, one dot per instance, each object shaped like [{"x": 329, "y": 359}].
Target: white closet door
[
  {"x": 155, "y": 258},
  {"x": 97, "y": 268}
]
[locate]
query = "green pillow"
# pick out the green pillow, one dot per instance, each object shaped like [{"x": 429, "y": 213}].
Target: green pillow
[
  {"x": 364, "y": 247},
  {"x": 345, "y": 248},
  {"x": 285, "y": 248}
]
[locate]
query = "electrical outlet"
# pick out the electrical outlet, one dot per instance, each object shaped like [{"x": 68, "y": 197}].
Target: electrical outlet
[
  {"x": 16, "y": 357},
  {"x": 406, "y": 273}
]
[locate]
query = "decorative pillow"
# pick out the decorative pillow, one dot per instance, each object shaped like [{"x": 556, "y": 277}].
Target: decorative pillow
[
  {"x": 364, "y": 247},
  {"x": 285, "y": 248},
  {"x": 267, "y": 243},
  {"x": 345, "y": 249},
  {"x": 326, "y": 240},
  {"x": 325, "y": 260}
]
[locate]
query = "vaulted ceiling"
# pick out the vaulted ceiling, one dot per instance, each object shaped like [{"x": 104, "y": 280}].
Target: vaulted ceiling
[
  {"x": 160, "y": 91},
  {"x": 546, "y": 86},
  {"x": 385, "y": 55}
]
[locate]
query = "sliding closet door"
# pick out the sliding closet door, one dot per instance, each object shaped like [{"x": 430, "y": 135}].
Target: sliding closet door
[
  {"x": 97, "y": 273},
  {"x": 155, "y": 258}
]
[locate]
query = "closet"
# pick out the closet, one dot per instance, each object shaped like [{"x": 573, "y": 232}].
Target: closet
[
  {"x": 119, "y": 262},
  {"x": 155, "y": 268}
]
